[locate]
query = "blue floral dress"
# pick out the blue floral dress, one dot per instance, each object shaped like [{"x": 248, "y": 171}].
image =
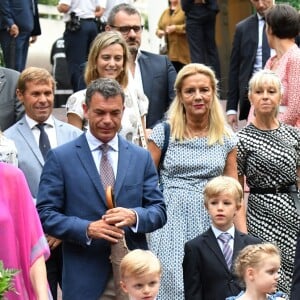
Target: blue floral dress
[
  {"x": 187, "y": 167},
  {"x": 276, "y": 296}
]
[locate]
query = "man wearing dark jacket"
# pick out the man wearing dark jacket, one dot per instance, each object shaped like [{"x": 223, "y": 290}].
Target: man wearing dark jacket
[
  {"x": 200, "y": 30},
  {"x": 19, "y": 26}
]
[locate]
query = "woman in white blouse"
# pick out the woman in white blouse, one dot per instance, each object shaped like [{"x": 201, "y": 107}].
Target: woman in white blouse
[
  {"x": 8, "y": 151},
  {"x": 108, "y": 58}
]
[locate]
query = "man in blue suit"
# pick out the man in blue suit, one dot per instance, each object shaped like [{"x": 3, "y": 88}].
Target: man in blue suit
[
  {"x": 72, "y": 203},
  {"x": 35, "y": 90},
  {"x": 154, "y": 74},
  {"x": 19, "y": 20}
]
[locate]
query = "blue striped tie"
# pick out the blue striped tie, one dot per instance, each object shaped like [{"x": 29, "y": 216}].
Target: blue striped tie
[{"x": 225, "y": 237}]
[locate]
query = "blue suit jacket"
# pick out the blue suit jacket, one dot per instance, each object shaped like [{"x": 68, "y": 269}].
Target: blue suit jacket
[
  {"x": 206, "y": 274},
  {"x": 158, "y": 76},
  {"x": 242, "y": 59},
  {"x": 20, "y": 12},
  {"x": 71, "y": 196},
  {"x": 30, "y": 159}
]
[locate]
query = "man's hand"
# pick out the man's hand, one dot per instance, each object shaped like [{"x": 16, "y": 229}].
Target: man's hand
[
  {"x": 52, "y": 241},
  {"x": 232, "y": 121},
  {"x": 33, "y": 39},
  {"x": 103, "y": 230},
  {"x": 63, "y": 8},
  {"x": 14, "y": 30},
  {"x": 120, "y": 217}
]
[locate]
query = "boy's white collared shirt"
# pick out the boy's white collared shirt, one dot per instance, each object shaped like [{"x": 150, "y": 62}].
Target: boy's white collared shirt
[{"x": 217, "y": 232}]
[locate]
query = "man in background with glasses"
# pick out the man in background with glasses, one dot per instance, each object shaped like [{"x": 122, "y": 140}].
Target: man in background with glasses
[{"x": 154, "y": 74}]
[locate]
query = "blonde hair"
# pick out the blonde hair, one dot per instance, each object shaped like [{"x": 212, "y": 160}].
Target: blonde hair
[
  {"x": 265, "y": 77},
  {"x": 252, "y": 256},
  {"x": 34, "y": 74},
  {"x": 223, "y": 185},
  {"x": 177, "y": 115},
  {"x": 104, "y": 40},
  {"x": 139, "y": 262}
]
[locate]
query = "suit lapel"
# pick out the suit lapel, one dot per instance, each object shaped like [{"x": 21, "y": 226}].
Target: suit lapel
[
  {"x": 238, "y": 243},
  {"x": 253, "y": 32},
  {"x": 26, "y": 133},
  {"x": 212, "y": 243},
  {"x": 146, "y": 73},
  {"x": 2, "y": 80},
  {"x": 123, "y": 165},
  {"x": 88, "y": 164}
]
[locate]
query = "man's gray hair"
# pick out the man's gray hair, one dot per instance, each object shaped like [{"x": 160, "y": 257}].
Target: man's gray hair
[
  {"x": 125, "y": 7},
  {"x": 107, "y": 87}
]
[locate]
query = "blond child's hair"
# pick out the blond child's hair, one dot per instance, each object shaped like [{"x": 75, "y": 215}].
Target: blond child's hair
[
  {"x": 139, "y": 262},
  {"x": 252, "y": 256},
  {"x": 223, "y": 185}
]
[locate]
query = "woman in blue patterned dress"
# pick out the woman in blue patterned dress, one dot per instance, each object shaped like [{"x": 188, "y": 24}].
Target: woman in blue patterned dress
[
  {"x": 269, "y": 158},
  {"x": 200, "y": 148}
]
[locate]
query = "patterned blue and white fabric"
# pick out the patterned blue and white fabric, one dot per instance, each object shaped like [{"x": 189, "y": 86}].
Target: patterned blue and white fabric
[{"x": 187, "y": 167}]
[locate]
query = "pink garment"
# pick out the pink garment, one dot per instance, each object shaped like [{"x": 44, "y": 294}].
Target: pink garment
[
  {"x": 288, "y": 69},
  {"x": 22, "y": 240}
]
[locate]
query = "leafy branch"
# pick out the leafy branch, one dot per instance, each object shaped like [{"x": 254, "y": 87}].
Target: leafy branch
[{"x": 6, "y": 280}]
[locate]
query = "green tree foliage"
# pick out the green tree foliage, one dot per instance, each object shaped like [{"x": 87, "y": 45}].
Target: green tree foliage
[
  {"x": 6, "y": 280},
  {"x": 295, "y": 3},
  {"x": 48, "y": 2}
]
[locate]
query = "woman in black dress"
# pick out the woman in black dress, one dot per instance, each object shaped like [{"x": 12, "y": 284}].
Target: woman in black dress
[{"x": 269, "y": 158}]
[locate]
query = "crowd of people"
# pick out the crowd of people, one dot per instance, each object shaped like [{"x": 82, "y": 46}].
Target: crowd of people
[{"x": 148, "y": 161}]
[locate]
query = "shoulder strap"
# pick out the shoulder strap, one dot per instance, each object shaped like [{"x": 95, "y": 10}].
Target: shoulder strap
[{"x": 166, "y": 143}]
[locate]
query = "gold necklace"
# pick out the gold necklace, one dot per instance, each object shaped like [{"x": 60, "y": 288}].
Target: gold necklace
[{"x": 196, "y": 134}]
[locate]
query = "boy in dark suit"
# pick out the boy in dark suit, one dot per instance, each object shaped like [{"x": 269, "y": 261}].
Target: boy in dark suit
[{"x": 207, "y": 263}]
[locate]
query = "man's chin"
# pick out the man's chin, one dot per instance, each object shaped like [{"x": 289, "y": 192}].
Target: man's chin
[{"x": 133, "y": 49}]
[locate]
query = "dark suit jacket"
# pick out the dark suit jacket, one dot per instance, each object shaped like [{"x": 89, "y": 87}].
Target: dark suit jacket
[
  {"x": 194, "y": 10},
  {"x": 11, "y": 109},
  {"x": 205, "y": 272},
  {"x": 71, "y": 196},
  {"x": 242, "y": 60},
  {"x": 295, "y": 289},
  {"x": 158, "y": 76},
  {"x": 24, "y": 13},
  {"x": 297, "y": 40}
]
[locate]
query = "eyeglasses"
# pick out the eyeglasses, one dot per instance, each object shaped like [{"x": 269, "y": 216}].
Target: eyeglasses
[{"x": 127, "y": 29}]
